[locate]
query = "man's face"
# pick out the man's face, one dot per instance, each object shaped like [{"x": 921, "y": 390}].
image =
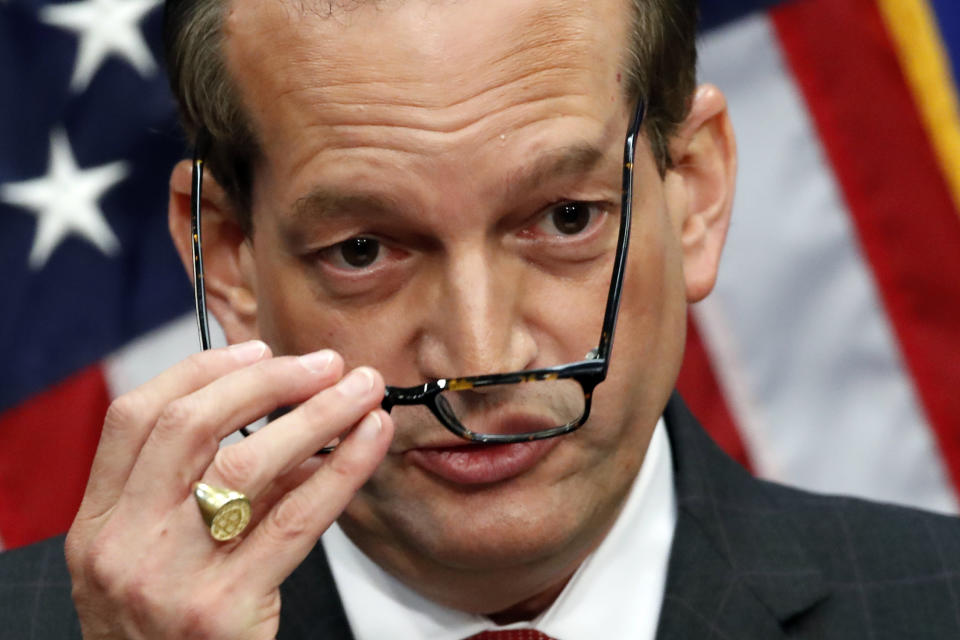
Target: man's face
[{"x": 448, "y": 135}]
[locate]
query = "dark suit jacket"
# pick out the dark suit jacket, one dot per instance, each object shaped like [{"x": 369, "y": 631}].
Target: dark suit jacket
[{"x": 750, "y": 559}]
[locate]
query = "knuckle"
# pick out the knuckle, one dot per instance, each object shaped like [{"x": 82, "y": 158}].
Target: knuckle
[
  {"x": 350, "y": 469},
  {"x": 177, "y": 418},
  {"x": 194, "y": 620},
  {"x": 290, "y": 518},
  {"x": 82, "y": 599},
  {"x": 185, "y": 613},
  {"x": 73, "y": 551},
  {"x": 275, "y": 380},
  {"x": 148, "y": 603},
  {"x": 197, "y": 616},
  {"x": 136, "y": 596},
  {"x": 237, "y": 464},
  {"x": 317, "y": 410},
  {"x": 124, "y": 411},
  {"x": 99, "y": 567},
  {"x": 283, "y": 374},
  {"x": 197, "y": 366}
]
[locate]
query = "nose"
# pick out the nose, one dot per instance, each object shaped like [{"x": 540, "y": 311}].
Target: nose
[{"x": 477, "y": 326}]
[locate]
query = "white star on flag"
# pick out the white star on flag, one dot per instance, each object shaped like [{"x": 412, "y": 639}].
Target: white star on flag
[
  {"x": 104, "y": 27},
  {"x": 65, "y": 201}
]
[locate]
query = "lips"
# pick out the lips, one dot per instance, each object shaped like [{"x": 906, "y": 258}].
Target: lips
[
  {"x": 481, "y": 464},
  {"x": 469, "y": 463}
]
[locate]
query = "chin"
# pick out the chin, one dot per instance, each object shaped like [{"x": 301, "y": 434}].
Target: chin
[{"x": 493, "y": 528}]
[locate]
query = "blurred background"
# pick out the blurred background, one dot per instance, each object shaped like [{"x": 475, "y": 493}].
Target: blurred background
[{"x": 828, "y": 357}]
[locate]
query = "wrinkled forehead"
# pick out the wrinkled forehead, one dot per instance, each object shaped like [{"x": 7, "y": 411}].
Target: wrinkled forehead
[{"x": 438, "y": 64}]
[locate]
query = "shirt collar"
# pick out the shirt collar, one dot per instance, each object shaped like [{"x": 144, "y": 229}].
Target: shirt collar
[{"x": 616, "y": 593}]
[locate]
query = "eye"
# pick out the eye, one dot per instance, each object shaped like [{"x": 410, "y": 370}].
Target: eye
[
  {"x": 355, "y": 253},
  {"x": 568, "y": 218},
  {"x": 360, "y": 265}
]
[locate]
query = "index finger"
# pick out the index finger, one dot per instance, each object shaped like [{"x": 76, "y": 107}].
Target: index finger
[
  {"x": 294, "y": 524},
  {"x": 131, "y": 416}
]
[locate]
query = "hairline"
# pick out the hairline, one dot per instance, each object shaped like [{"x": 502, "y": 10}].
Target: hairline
[{"x": 237, "y": 117}]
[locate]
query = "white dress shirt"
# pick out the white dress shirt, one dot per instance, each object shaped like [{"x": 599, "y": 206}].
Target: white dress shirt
[{"x": 616, "y": 592}]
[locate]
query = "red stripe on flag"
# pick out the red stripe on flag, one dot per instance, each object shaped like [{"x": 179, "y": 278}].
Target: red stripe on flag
[
  {"x": 845, "y": 64},
  {"x": 697, "y": 384},
  {"x": 46, "y": 449}
]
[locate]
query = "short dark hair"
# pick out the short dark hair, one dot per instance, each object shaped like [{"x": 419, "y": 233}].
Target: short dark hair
[{"x": 660, "y": 68}]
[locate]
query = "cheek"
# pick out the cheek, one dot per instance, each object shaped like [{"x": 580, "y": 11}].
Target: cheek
[
  {"x": 565, "y": 316},
  {"x": 282, "y": 311},
  {"x": 651, "y": 331},
  {"x": 293, "y": 318},
  {"x": 289, "y": 315}
]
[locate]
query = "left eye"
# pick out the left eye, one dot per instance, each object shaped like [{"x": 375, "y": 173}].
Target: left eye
[
  {"x": 359, "y": 252},
  {"x": 354, "y": 254},
  {"x": 568, "y": 218}
]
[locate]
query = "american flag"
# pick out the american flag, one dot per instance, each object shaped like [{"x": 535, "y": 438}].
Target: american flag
[{"x": 828, "y": 357}]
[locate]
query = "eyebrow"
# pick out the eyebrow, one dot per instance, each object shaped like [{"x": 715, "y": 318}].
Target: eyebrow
[
  {"x": 329, "y": 204},
  {"x": 577, "y": 159},
  {"x": 324, "y": 206}
]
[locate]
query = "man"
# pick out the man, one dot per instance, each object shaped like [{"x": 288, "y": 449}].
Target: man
[{"x": 410, "y": 190}]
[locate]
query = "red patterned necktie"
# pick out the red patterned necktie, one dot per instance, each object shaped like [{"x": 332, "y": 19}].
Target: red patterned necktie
[{"x": 511, "y": 634}]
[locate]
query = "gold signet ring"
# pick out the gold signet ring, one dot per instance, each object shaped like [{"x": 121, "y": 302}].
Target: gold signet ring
[{"x": 226, "y": 512}]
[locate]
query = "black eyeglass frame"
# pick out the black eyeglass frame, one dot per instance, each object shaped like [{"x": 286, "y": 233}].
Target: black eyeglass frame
[{"x": 587, "y": 373}]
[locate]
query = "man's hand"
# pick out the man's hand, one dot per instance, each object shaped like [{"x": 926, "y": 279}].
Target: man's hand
[{"x": 142, "y": 560}]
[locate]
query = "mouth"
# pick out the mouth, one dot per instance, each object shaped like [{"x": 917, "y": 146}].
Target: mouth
[
  {"x": 481, "y": 463},
  {"x": 469, "y": 463}
]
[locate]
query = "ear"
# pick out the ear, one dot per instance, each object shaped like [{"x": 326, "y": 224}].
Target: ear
[
  {"x": 227, "y": 254},
  {"x": 700, "y": 188}
]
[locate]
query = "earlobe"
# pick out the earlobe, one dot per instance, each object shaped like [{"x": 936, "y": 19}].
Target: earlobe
[
  {"x": 228, "y": 264},
  {"x": 702, "y": 183}
]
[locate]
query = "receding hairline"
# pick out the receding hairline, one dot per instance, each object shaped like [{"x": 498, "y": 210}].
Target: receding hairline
[
  {"x": 658, "y": 62},
  {"x": 535, "y": 38}
]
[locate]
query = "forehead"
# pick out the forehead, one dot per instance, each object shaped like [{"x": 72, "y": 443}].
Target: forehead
[{"x": 434, "y": 66}]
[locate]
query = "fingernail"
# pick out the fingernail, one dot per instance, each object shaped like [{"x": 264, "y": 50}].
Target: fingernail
[
  {"x": 369, "y": 428},
  {"x": 249, "y": 351},
  {"x": 318, "y": 361},
  {"x": 359, "y": 382}
]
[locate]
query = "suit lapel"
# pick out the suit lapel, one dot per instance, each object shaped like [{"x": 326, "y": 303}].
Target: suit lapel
[
  {"x": 737, "y": 568},
  {"x": 310, "y": 603}
]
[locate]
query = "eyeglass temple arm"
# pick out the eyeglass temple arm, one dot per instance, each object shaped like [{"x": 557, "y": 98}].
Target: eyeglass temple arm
[
  {"x": 196, "y": 204},
  {"x": 623, "y": 240}
]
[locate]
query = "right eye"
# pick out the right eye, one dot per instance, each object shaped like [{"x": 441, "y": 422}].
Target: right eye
[
  {"x": 569, "y": 219},
  {"x": 354, "y": 254}
]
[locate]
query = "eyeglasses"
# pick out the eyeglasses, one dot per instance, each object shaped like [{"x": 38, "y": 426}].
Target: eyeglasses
[{"x": 473, "y": 407}]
